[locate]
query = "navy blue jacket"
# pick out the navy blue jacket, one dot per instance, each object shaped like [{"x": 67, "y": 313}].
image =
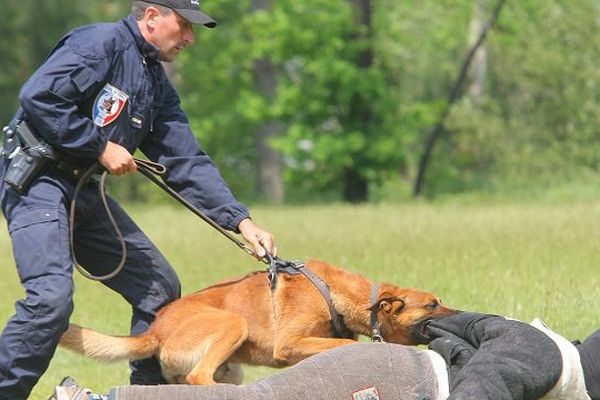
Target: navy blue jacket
[{"x": 104, "y": 82}]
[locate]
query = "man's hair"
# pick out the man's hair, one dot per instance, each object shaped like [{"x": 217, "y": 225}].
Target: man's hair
[{"x": 139, "y": 8}]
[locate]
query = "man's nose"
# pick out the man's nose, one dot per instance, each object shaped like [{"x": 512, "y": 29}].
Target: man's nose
[{"x": 188, "y": 36}]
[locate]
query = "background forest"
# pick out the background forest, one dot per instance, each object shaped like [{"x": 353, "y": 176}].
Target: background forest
[{"x": 337, "y": 100}]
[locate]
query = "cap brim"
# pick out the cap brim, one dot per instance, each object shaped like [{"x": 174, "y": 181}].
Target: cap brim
[{"x": 197, "y": 17}]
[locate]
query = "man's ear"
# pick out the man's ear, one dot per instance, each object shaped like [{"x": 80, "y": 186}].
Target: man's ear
[{"x": 150, "y": 14}]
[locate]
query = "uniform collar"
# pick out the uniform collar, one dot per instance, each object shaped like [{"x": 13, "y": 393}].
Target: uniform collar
[{"x": 147, "y": 50}]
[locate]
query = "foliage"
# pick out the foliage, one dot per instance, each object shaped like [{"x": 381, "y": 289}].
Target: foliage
[
  {"x": 30, "y": 29},
  {"x": 551, "y": 96},
  {"x": 535, "y": 124}
]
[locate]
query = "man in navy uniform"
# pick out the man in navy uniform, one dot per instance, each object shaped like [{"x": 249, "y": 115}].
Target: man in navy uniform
[{"x": 101, "y": 94}]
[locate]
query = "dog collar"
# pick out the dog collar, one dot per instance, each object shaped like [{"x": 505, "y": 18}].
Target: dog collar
[{"x": 376, "y": 334}]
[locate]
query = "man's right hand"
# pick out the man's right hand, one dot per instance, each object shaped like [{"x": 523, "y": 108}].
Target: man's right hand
[{"x": 117, "y": 160}]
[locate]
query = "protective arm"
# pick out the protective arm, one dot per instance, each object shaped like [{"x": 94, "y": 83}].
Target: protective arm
[
  {"x": 51, "y": 99},
  {"x": 589, "y": 352},
  {"x": 190, "y": 171},
  {"x": 495, "y": 358}
]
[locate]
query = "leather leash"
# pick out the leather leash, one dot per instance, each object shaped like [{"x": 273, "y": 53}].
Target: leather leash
[{"x": 150, "y": 170}]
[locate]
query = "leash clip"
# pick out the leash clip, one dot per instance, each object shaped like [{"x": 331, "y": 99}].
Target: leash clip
[
  {"x": 273, "y": 263},
  {"x": 276, "y": 264},
  {"x": 376, "y": 337}
]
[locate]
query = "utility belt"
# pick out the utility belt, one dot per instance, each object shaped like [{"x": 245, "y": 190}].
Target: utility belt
[
  {"x": 70, "y": 171},
  {"x": 29, "y": 155}
]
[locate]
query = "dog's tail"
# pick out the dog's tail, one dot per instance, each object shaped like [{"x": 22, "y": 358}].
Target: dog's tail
[{"x": 108, "y": 348}]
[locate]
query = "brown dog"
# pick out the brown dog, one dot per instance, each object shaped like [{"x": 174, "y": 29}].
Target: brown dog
[{"x": 243, "y": 321}]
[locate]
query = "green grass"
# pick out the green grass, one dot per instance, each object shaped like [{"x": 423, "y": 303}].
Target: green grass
[{"x": 520, "y": 260}]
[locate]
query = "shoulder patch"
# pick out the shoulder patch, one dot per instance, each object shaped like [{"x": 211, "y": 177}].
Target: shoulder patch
[{"x": 108, "y": 105}]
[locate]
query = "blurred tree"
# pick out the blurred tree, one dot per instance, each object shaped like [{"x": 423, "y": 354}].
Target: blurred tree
[
  {"x": 478, "y": 68},
  {"x": 536, "y": 124},
  {"x": 14, "y": 60},
  {"x": 360, "y": 114},
  {"x": 455, "y": 93},
  {"x": 30, "y": 29},
  {"x": 331, "y": 91},
  {"x": 270, "y": 178},
  {"x": 549, "y": 102}
]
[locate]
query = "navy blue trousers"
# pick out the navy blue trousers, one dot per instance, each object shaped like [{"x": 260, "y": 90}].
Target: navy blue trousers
[{"x": 38, "y": 223}]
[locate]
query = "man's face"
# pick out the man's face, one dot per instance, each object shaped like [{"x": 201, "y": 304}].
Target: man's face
[{"x": 170, "y": 34}]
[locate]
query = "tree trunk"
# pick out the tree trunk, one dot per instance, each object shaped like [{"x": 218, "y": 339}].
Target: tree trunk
[
  {"x": 270, "y": 180},
  {"x": 356, "y": 186},
  {"x": 455, "y": 94},
  {"x": 478, "y": 69}
]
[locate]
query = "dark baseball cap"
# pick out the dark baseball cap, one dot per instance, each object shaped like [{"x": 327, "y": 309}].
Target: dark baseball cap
[{"x": 188, "y": 9}]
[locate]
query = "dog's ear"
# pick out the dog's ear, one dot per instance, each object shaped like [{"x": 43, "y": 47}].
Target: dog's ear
[
  {"x": 384, "y": 296},
  {"x": 388, "y": 305}
]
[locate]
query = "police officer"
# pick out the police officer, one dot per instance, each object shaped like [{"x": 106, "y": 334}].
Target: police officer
[{"x": 101, "y": 94}]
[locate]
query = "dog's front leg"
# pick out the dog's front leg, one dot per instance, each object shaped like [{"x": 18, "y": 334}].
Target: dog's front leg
[{"x": 289, "y": 351}]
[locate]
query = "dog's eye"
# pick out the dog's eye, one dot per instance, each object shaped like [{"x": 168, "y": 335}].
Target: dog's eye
[{"x": 432, "y": 306}]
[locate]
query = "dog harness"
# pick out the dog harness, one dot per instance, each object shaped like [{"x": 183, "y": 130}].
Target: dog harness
[{"x": 276, "y": 265}]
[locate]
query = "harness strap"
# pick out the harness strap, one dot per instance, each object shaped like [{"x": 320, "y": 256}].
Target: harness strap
[{"x": 340, "y": 330}]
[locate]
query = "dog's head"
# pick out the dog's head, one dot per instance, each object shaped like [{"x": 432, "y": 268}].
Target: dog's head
[{"x": 399, "y": 309}]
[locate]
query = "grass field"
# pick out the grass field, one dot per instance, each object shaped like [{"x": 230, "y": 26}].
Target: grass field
[{"x": 521, "y": 260}]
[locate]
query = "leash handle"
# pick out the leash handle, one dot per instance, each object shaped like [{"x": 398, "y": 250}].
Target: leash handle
[
  {"x": 96, "y": 167},
  {"x": 151, "y": 166}
]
